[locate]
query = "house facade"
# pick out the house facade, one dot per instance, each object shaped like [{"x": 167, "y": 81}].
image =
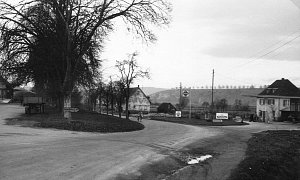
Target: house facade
[
  {"x": 279, "y": 101},
  {"x": 138, "y": 101}
]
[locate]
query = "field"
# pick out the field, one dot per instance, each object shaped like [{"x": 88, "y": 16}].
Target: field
[{"x": 271, "y": 155}]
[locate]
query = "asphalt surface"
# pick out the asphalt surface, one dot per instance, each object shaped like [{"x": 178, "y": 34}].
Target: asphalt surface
[{"x": 33, "y": 153}]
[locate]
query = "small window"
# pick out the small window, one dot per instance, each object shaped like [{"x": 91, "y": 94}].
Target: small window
[
  {"x": 298, "y": 107},
  {"x": 286, "y": 103},
  {"x": 261, "y": 101},
  {"x": 271, "y": 102}
]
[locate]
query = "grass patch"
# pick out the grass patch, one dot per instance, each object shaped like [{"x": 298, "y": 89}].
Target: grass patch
[
  {"x": 198, "y": 122},
  {"x": 271, "y": 155},
  {"x": 81, "y": 121}
]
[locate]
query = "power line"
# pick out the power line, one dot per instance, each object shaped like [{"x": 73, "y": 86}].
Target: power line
[
  {"x": 252, "y": 58},
  {"x": 279, "y": 47}
]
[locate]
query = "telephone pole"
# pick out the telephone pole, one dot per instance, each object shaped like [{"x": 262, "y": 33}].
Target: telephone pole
[
  {"x": 180, "y": 95},
  {"x": 212, "y": 91}
]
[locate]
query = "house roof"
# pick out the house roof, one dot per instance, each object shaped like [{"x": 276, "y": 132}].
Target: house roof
[
  {"x": 166, "y": 104},
  {"x": 133, "y": 90},
  {"x": 282, "y": 87}
]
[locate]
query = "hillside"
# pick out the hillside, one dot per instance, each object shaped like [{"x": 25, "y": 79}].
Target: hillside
[
  {"x": 151, "y": 90},
  {"x": 201, "y": 95}
]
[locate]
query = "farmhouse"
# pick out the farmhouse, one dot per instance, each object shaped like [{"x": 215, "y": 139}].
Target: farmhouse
[
  {"x": 279, "y": 101},
  {"x": 138, "y": 101}
]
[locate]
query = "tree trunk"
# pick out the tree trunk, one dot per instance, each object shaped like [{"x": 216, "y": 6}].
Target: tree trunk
[
  {"x": 107, "y": 101},
  {"x": 120, "y": 111},
  {"x": 112, "y": 106},
  {"x": 127, "y": 103},
  {"x": 59, "y": 104},
  {"x": 100, "y": 103},
  {"x": 67, "y": 104}
]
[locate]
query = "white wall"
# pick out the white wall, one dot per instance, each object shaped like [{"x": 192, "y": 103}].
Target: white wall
[
  {"x": 277, "y": 107},
  {"x": 138, "y": 102}
]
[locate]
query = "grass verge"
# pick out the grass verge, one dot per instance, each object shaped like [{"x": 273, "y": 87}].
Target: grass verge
[
  {"x": 81, "y": 121},
  {"x": 271, "y": 155},
  {"x": 198, "y": 122}
]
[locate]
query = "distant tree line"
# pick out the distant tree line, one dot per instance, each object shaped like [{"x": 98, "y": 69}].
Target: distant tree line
[{"x": 228, "y": 87}]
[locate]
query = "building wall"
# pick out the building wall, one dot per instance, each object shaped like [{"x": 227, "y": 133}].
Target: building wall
[
  {"x": 269, "y": 112},
  {"x": 138, "y": 102}
]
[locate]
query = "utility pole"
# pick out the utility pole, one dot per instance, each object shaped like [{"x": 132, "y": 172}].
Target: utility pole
[
  {"x": 180, "y": 95},
  {"x": 212, "y": 91},
  {"x": 190, "y": 114}
]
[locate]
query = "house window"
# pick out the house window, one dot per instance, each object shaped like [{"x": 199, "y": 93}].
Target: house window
[
  {"x": 293, "y": 107},
  {"x": 271, "y": 101},
  {"x": 286, "y": 103},
  {"x": 297, "y": 107},
  {"x": 261, "y": 101}
]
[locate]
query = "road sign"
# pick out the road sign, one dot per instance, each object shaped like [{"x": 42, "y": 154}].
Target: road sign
[
  {"x": 185, "y": 93},
  {"x": 70, "y": 109},
  {"x": 178, "y": 114},
  {"x": 221, "y": 115}
]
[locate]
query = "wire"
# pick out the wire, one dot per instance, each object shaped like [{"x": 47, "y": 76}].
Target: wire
[{"x": 252, "y": 58}]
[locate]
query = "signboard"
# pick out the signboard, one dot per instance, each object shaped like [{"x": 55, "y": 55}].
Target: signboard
[
  {"x": 178, "y": 114},
  {"x": 221, "y": 115},
  {"x": 71, "y": 109},
  {"x": 185, "y": 93}
]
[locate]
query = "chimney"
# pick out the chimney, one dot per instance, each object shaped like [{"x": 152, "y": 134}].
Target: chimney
[
  {"x": 282, "y": 78},
  {"x": 138, "y": 86}
]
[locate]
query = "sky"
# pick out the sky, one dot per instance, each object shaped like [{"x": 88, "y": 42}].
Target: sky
[{"x": 246, "y": 42}]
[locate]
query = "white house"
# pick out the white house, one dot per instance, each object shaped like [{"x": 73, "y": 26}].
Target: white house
[
  {"x": 138, "y": 101},
  {"x": 279, "y": 101}
]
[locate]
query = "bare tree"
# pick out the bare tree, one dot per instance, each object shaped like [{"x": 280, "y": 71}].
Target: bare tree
[{"x": 129, "y": 71}]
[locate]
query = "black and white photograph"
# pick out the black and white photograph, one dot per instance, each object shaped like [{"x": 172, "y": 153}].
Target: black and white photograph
[{"x": 149, "y": 90}]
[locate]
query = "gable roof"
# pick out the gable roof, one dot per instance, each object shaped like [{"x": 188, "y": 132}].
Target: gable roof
[
  {"x": 133, "y": 90},
  {"x": 167, "y": 104},
  {"x": 282, "y": 87}
]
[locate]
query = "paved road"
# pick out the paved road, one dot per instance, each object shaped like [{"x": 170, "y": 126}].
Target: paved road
[{"x": 32, "y": 153}]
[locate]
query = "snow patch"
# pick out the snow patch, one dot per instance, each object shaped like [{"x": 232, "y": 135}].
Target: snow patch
[{"x": 199, "y": 159}]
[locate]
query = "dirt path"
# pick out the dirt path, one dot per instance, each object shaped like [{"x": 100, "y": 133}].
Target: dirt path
[{"x": 230, "y": 146}]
